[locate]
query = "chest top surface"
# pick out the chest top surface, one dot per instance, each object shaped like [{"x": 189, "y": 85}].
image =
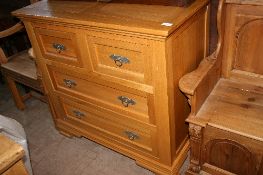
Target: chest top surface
[{"x": 148, "y": 19}]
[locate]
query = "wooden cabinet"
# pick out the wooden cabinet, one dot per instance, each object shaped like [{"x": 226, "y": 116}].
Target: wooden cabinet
[
  {"x": 111, "y": 73},
  {"x": 226, "y": 93}
]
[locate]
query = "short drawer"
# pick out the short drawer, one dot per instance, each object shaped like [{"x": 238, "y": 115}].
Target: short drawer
[
  {"x": 133, "y": 105},
  {"x": 125, "y": 131},
  {"x": 59, "y": 45},
  {"x": 120, "y": 57}
]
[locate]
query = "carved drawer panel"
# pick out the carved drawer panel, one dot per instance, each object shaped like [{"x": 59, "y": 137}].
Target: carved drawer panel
[
  {"x": 127, "y": 132},
  {"x": 132, "y": 105},
  {"x": 59, "y": 45},
  {"x": 120, "y": 57}
]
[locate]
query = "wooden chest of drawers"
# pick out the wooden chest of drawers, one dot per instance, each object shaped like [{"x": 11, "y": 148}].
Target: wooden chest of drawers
[{"x": 111, "y": 73}]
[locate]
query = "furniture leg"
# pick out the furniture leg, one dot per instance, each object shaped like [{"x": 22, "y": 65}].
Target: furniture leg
[
  {"x": 15, "y": 93},
  {"x": 195, "y": 132}
]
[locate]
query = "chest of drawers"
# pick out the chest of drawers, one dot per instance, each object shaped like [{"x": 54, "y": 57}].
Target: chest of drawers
[{"x": 111, "y": 73}]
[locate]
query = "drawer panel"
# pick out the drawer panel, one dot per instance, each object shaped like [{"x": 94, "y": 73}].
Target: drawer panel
[
  {"x": 123, "y": 102},
  {"x": 127, "y": 132},
  {"x": 120, "y": 57},
  {"x": 60, "y": 46}
]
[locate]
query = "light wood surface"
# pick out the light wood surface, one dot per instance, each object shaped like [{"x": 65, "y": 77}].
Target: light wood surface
[
  {"x": 11, "y": 155},
  {"x": 84, "y": 84},
  {"x": 225, "y": 94},
  {"x": 234, "y": 106},
  {"x": 130, "y": 17},
  {"x": 27, "y": 66}
]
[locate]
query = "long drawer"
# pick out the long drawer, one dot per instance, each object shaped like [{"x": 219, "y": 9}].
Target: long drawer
[
  {"x": 127, "y": 132},
  {"x": 132, "y": 105}
]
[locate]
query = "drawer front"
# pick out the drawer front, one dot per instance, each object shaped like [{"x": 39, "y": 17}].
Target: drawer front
[
  {"x": 120, "y": 57},
  {"x": 129, "y": 104},
  {"x": 125, "y": 131},
  {"x": 59, "y": 45}
]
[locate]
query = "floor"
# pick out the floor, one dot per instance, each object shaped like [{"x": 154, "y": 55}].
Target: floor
[{"x": 54, "y": 154}]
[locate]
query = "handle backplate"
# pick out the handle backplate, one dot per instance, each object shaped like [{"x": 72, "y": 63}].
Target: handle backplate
[
  {"x": 69, "y": 83},
  {"x": 119, "y": 60},
  {"x": 78, "y": 114},
  {"x": 126, "y": 101},
  {"x": 131, "y": 135},
  {"x": 59, "y": 47}
]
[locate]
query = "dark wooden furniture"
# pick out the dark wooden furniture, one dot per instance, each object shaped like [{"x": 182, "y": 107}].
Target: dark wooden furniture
[
  {"x": 20, "y": 68},
  {"x": 111, "y": 72},
  {"x": 226, "y": 96},
  {"x": 180, "y": 3}
]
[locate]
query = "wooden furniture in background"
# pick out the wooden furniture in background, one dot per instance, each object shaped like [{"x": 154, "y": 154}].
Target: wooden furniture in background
[
  {"x": 11, "y": 155},
  {"x": 111, "y": 72},
  {"x": 180, "y": 3},
  {"x": 226, "y": 96},
  {"x": 20, "y": 68}
]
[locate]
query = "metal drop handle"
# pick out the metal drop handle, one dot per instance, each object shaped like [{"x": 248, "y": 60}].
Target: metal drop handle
[
  {"x": 59, "y": 47},
  {"x": 119, "y": 60},
  {"x": 131, "y": 135},
  {"x": 78, "y": 114},
  {"x": 126, "y": 101},
  {"x": 69, "y": 83}
]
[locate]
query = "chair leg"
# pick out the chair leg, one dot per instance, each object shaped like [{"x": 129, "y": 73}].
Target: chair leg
[
  {"x": 16, "y": 96},
  {"x": 196, "y": 136}
]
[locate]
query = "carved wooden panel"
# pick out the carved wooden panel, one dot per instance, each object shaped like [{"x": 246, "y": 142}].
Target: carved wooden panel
[
  {"x": 249, "y": 47},
  {"x": 230, "y": 156},
  {"x": 243, "y": 41}
]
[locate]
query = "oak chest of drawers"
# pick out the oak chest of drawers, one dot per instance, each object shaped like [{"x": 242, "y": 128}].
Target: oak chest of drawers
[{"x": 111, "y": 73}]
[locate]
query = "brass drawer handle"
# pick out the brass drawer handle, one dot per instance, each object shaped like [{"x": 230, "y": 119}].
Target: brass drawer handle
[
  {"x": 59, "y": 47},
  {"x": 69, "y": 83},
  {"x": 78, "y": 114},
  {"x": 131, "y": 135},
  {"x": 126, "y": 101},
  {"x": 119, "y": 60}
]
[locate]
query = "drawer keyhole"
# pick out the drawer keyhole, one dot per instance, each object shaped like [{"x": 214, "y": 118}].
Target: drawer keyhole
[
  {"x": 131, "y": 135},
  {"x": 119, "y": 60},
  {"x": 69, "y": 83},
  {"x": 126, "y": 101}
]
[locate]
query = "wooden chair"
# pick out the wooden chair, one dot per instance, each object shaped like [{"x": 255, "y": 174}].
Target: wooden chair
[
  {"x": 20, "y": 68},
  {"x": 226, "y": 96}
]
